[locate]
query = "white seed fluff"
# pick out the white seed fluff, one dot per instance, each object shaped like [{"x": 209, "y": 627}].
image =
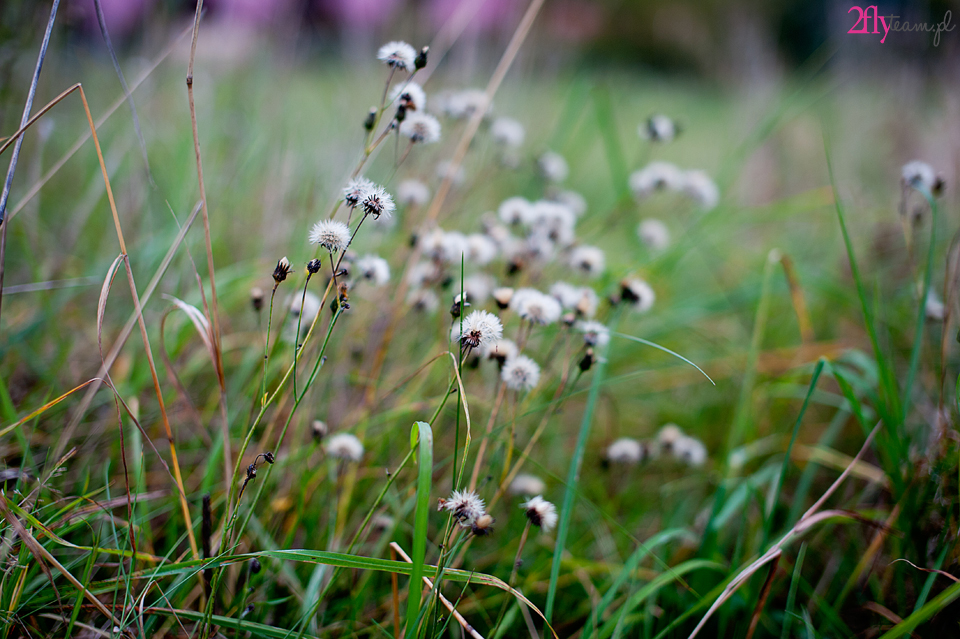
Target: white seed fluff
[
  {"x": 465, "y": 506},
  {"x": 553, "y": 167},
  {"x": 507, "y": 131},
  {"x": 701, "y": 188},
  {"x": 589, "y": 260},
  {"x": 478, "y": 287},
  {"x": 656, "y": 176},
  {"x": 515, "y": 210},
  {"x": 520, "y": 373},
  {"x": 479, "y": 328},
  {"x": 423, "y": 299},
  {"x": 481, "y": 250},
  {"x": 524, "y": 484},
  {"x": 638, "y": 294},
  {"x": 625, "y": 450},
  {"x": 541, "y": 513},
  {"x": 594, "y": 333},
  {"x": 374, "y": 268},
  {"x": 690, "y": 450},
  {"x": 420, "y": 127},
  {"x": 398, "y": 55},
  {"x": 416, "y": 97},
  {"x": 413, "y": 193},
  {"x": 917, "y": 173},
  {"x": 377, "y": 202},
  {"x": 344, "y": 446},
  {"x": 356, "y": 190},
  {"x": 331, "y": 235},
  {"x": 668, "y": 436},
  {"x": 654, "y": 234},
  {"x": 534, "y": 306},
  {"x": 502, "y": 349},
  {"x": 658, "y": 128}
]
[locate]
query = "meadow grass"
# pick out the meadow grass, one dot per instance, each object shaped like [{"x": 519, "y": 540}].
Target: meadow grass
[{"x": 801, "y": 296}]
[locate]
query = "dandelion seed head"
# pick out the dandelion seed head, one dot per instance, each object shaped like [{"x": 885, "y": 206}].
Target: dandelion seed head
[
  {"x": 445, "y": 170},
  {"x": 701, "y": 188},
  {"x": 398, "y": 55},
  {"x": 355, "y": 190},
  {"x": 534, "y": 306},
  {"x": 656, "y": 176},
  {"x": 582, "y": 299},
  {"x": 654, "y": 234},
  {"x": 572, "y": 200},
  {"x": 668, "y": 436},
  {"x": 481, "y": 250},
  {"x": 658, "y": 128},
  {"x": 594, "y": 333},
  {"x": 515, "y": 210},
  {"x": 503, "y": 296},
  {"x": 377, "y": 202},
  {"x": 479, "y": 328},
  {"x": 553, "y": 167},
  {"x": 500, "y": 350},
  {"x": 690, "y": 450},
  {"x": 917, "y": 173},
  {"x": 422, "y": 274},
  {"x": 375, "y": 269},
  {"x": 461, "y": 105},
  {"x": 478, "y": 287},
  {"x": 638, "y": 294},
  {"x": 541, "y": 513},
  {"x": 520, "y": 373},
  {"x": 413, "y": 193},
  {"x": 934, "y": 307},
  {"x": 589, "y": 260},
  {"x": 465, "y": 506},
  {"x": 554, "y": 220},
  {"x": 332, "y": 235},
  {"x": 625, "y": 450},
  {"x": 344, "y": 446},
  {"x": 524, "y": 484},
  {"x": 507, "y": 132},
  {"x": 420, "y": 127},
  {"x": 410, "y": 94}
]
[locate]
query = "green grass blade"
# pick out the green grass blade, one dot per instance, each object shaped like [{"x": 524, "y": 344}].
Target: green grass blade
[
  {"x": 922, "y": 307},
  {"x": 938, "y": 603},
  {"x": 640, "y": 340},
  {"x": 421, "y": 436},
  {"x": 792, "y": 593},
  {"x": 573, "y": 479}
]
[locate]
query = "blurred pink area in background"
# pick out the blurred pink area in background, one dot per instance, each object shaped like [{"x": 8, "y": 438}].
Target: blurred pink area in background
[
  {"x": 492, "y": 15},
  {"x": 356, "y": 14},
  {"x": 123, "y": 17}
]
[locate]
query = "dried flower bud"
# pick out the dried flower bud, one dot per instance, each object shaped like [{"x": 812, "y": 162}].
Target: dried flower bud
[
  {"x": 256, "y": 298},
  {"x": 251, "y": 472},
  {"x": 587, "y": 361},
  {"x": 483, "y": 525},
  {"x": 371, "y": 119},
  {"x": 313, "y": 266},
  {"x": 458, "y": 305},
  {"x": 401, "y": 114},
  {"x": 421, "y": 60},
  {"x": 502, "y": 297},
  {"x": 254, "y": 566},
  {"x": 569, "y": 318},
  {"x": 269, "y": 457},
  {"x": 282, "y": 270},
  {"x": 319, "y": 428}
]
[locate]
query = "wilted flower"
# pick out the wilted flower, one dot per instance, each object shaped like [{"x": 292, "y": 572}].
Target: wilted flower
[
  {"x": 344, "y": 446},
  {"x": 409, "y": 94},
  {"x": 282, "y": 269},
  {"x": 413, "y": 192},
  {"x": 541, "y": 513},
  {"x": 658, "y": 128},
  {"x": 527, "y": 485},
  {"x": 520, "y": 373},
  {"x": 638, "y": 294},
  {"x": 398, "y": 55},
  {"x": 374, "y": 268},
  {"x": 421, "y": 127},
  {"x": 625, "y": 450},
  {"x": 465, "y": 506},
  {"x": 479, "y": 327},
  {"x": 553, "y": 167},
  {"x": 377, "y": 202},
  {"x": 654, "y": 234},
  {"x": 507, "y": 131},
  {"x": 331, "y": 235}
]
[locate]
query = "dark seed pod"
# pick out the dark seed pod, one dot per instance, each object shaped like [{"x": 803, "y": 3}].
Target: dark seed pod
[
  {"x": 370, "y": 120},
  {"x": 313, "y": 266},
  {"x": 421, "y": 60}
]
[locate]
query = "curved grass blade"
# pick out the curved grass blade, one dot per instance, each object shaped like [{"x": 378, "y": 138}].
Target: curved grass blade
[
  {"x": 640, "y": 340},
  {"x": 421, "y": 437}
]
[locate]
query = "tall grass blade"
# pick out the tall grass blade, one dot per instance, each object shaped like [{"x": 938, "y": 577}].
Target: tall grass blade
[{"x": 421, "y": 437}]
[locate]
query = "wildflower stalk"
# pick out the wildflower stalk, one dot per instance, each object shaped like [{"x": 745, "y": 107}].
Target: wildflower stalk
[
  {"x": 513, "y": 578},
  {"x": 296, "y": 341},
  {"x": 501, "y": 393},
  {"x": 266, "y": 346}
]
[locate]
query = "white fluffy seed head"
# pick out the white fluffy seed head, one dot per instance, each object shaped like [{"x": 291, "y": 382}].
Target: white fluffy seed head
[
  {"x": 331, "y": 235},
  {"x": 377, "y": 202},
  {"x": 465, "y": 506},
  {"x": 553, "y": 167},
  {"x": 668, "y": 436},
  {"x": 480, "y": 249},
  {"x": 690, "y": 450},
  {"x": 656, "y": 176},
  {"x": 582, "y": 299},
  {"x": 420, "y": 127},
  {"x": 625, "y": 450},
  {"x": 413, "y": 193},
  {"x": 638, "y": 294},
  {"x": 445, "y": 170},
  {"x": 534, "y": 306},
  {"x": 355, "y": 190},
  {"x": 479, "y": 328},
  {"x": 594, "y": 333},
  {"x": 374, "y": 269},
  {"x": 572, "y": 200},
  {"x": 553, "y": 220},
  {"x": 412, "y": 94},
  {"x": 654, "y": 234},
  {"x": 917, "y": 173},
  {"x": 588, "y": 260},
  {"x": 520, "y": 373},
  {"x": 701, "y": 188},
  {"x": 515, "y": 210},
  {"x": 463, "y": 104},
  {"x": 344, "y": 446},
  {"x": 398, "y": 55},
  {"x": 507, "y": 132},
  {"x": 478, "y": 287},
  {"x": 500, "y": 350},
  {"x": 524, "y": 484},
  {"x": 934, "y": 307},
  {"x": 423, "y": 299},
  {"x": 658, "y": 128},
  {"x": 541, "y": 513}
]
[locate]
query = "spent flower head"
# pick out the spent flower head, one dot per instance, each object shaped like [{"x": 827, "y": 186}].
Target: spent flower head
[
  {"x": 465, "y": 506},
  {"x": 282, "y": 269},
  {"x": 377, "y": 202},
  {"x": 332, "y": 235},
  {"x": 479, "y": 328},
  {"x": 398, "y": 55},
  {"x": 421, "y": 127},
  {"x": 355, "y": 190},
  {"x": 344, "y": 446},
  {"x": 520, "y": 373},
  {"x": 541, "y": 513}
]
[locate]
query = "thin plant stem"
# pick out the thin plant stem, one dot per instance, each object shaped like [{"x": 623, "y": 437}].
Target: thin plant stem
[{"x": 266, "y": 346}]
